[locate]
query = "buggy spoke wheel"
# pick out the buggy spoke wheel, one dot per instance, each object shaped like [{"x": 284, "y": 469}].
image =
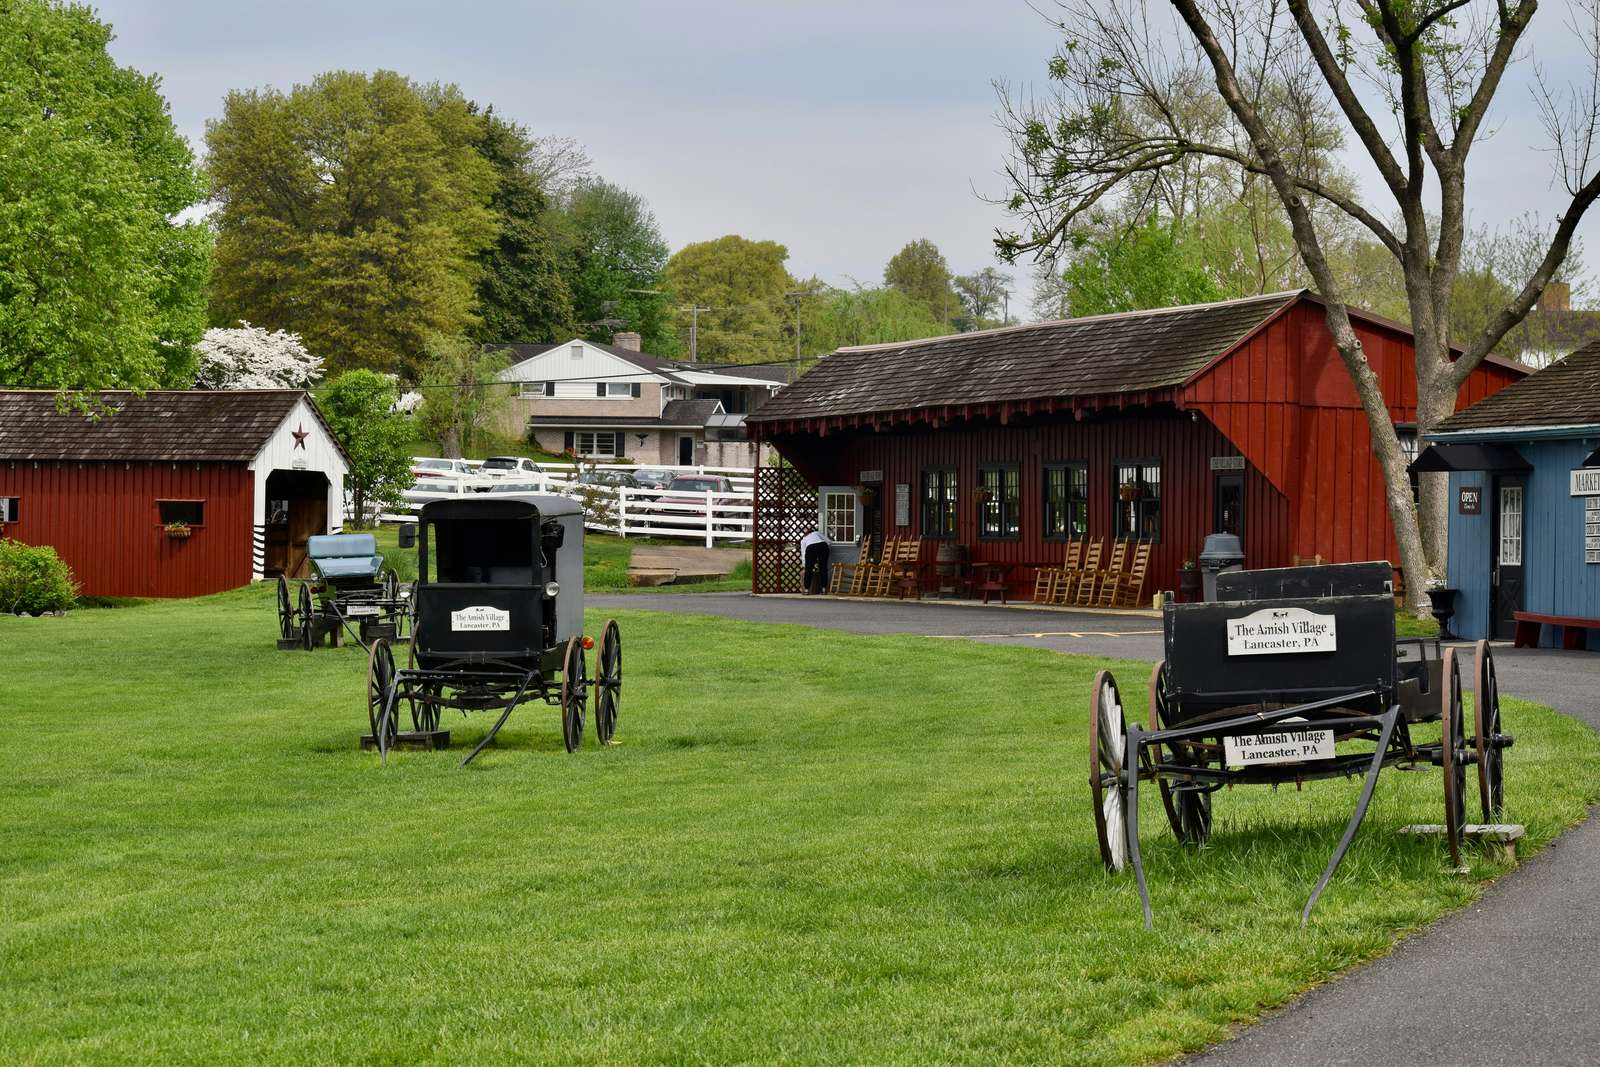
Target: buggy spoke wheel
[
  {"x": 285, "y": 610},
  {"x": 380, "y": 692},
  {"x": 1453, "y": 747},
  {"x": 391, "y": 585},
  {"x": 1108, "y": 743},
  {"x": 574, "y": 693},
  {"x": 608, "y": 683},
  {"x": 1486, "y": 723},
  {"x": 308, "y": 633},
  {"x": 1188, "y": 809}
]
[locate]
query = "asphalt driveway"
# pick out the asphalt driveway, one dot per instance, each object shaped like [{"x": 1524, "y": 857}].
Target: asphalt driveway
[{"x": 1511, "y": 980}]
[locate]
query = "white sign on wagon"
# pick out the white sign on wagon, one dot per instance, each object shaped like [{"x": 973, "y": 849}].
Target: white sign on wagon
[
  {"x": 480, "y": 618},
  {"x": 1273, "y": 631},
  {"x": 1287, "y": 746}
]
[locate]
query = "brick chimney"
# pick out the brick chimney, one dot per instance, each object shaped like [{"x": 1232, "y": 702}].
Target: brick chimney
[
  {"x": 1557, "y": 296},
  {"x": 631, "y": 341}
]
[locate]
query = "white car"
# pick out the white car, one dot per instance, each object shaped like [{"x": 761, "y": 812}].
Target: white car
[
  {"x": 427, "y": 467},
  {"x": 508, "y": 467}
]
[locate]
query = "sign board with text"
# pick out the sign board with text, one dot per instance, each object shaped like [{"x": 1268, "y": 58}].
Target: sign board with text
[
  {"x": 1277, "y": 631},
  {"x": 902, "y": 504},
  {"x": 1586, "y": 481},
  {"x": 480, "y": 618},
  {"x": 1469, "y": 500},
  {"x": 1287, "y": 746}
]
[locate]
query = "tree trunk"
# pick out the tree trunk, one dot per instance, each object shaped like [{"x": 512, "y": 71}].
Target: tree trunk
[{"x": 451, "y": 445}]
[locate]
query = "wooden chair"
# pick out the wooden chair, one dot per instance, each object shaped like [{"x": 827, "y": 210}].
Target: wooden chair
[
  {"x": 1129, "y": 587},
  {"x": 850, "y": 579},
  {"x": 1109, "y": 577},
  {"x": 879, "y": 573},
  {"x": 1085, "y": 578},
  {"x": 906, "y": 575},
  {"x": 1047, "y": 583}
]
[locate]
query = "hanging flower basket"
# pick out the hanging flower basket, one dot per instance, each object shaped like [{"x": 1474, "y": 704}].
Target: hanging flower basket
[{"x": 178, "y": 531}]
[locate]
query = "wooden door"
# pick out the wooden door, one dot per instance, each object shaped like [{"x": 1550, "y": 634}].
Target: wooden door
[
  {"x": 1228, "y": 501},
  {"x": 308, "y": 517},
  {"x": 1505, "y": 555}
]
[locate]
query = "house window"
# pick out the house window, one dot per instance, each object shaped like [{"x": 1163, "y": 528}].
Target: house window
[
  {"x": 8, "y": 509},
  {"x": 1511, "y": 525},
  {"x": 1138, "y": 499},
  {"x": 577, "y": 351},
  {"x": 839, "y": 517},
  {"x": 535, "y": 390},
  {"x": 188, "y": 512},
  {"x": 597, "y": 443},
  {"x": 999, "y": 503},
  {"x": 1066, "y": 502},
  {"x": 939, "y": 502},
  {"x": 616, "y": 390}
]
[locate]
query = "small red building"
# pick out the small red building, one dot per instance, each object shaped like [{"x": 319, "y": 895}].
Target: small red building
[
  {"x": 175, "y": 493},
  {"x": 1162, "y": 425}
]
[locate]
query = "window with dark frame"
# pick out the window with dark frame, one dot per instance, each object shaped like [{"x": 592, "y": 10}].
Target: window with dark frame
[
  {"x": 1138, "y": 499},
  {"x": 939, "y": 502},
  {"x": 188, "y": 512},
  {"x": 999, "y": 502},
  {"x": 1066, "y": 502},
  {"x": 8, "y": 509}
]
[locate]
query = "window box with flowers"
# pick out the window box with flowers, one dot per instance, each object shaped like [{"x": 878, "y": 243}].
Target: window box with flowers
[{"x": 178, "y": 531}]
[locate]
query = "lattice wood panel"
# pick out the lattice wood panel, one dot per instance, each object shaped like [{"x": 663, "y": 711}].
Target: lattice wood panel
[{"x": 785, "y": 508}]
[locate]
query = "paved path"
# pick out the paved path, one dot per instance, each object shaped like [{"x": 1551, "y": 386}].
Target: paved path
[{"x": 1511, "y": 980}]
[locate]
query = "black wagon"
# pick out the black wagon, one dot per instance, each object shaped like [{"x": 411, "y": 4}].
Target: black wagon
[
  {"x": 350, "y": 590},
  {"x": 497, "y": 612},
  {"x": 1294, "y": 675}
]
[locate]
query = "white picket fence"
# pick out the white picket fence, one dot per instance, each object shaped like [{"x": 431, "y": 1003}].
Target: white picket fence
[{"x": 708, "y": 517}]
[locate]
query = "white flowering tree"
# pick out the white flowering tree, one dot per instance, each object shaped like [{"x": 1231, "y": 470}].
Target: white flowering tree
[{"x": 249, "y": 357}]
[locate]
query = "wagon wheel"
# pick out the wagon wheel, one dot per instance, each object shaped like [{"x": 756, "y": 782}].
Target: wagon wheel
[
  {"x": 390, "y": 584},
  {"x": 1108, "y": 745},
  {"x": 608, "y": 683},
  {"x": 1453, "y": 746},
  {"x": 574, "y": 693},
  {"x": 1188, "y": 810},
  {"x": 380, "y": 693},
  {"x": 308, "y": 633},
  {"x": 285, "y": 610},
  {"x": 1486, "y": 721}
]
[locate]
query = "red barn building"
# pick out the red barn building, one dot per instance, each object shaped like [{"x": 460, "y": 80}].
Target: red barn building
[
  {"x": 1162, "y": 425},
  {"x": 250, "y": 474}
]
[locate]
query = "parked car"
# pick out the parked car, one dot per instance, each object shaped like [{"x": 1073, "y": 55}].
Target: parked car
[
  {"x": 427, "y": 467},
  {"x": 512, "y": 487},
  {"x": 654, "y": 477},
  {"x": 508, "y": 467},
  {"x": 428, "y": 489},
  {"x": 620, "y": 479},
  {"x": 690, "y": 490}
]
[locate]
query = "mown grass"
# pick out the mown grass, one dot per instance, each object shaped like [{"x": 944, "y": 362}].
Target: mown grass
[{"x": 809, "y": 847}]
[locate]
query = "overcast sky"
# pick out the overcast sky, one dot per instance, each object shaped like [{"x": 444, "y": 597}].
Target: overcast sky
[{"x": 841, "y": 128}]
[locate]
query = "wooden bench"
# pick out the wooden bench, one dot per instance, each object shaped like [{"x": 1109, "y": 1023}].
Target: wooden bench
[{"x": 1573, "y": 629}]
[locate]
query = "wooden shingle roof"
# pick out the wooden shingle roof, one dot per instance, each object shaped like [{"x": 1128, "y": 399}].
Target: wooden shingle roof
[
  {"x": 1566, "y": 393},
  {"x": 224, "y": 425},
  {"x": 1098, "y": 355}
]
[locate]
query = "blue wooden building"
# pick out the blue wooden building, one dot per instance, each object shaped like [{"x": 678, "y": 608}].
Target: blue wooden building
[{"x": 1525, "y": 504}]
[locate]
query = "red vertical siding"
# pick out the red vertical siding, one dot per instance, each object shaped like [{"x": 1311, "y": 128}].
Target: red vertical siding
[
  {"x": 1184, "y": 447},
  {"x": 102, "y": 518}
]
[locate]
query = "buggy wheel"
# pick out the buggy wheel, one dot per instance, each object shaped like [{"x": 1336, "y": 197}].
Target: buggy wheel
[
  {"x": 1486, "y": 722},
  {"x": 308, "y": 632},
  {"x": 1108, "y": 746},
  {"x": 390, "y": 583},
  {"x": 285, "y": 610},
  {"x": 1453, "y": 752},
  {"x": 1188, "y": 810},
  {"x": 574, "y": 693},
  {"x": 424, "y": 712},
  {"x": 380, "y": 693},
  {"x": 608, "y": 683}
]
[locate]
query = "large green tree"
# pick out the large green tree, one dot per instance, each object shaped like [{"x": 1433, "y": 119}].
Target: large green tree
[
  {"x": 100, "y": 287},
  {"x": 350, "y": 211},
  {"x": 614, "y": 267},
  {"x": 740, "y": 284},
  {"x": 522, "y": 294},
  {"x": 1146, "y": 267},
  {"x": 919, "y": 271},
  {"x": 359, "y": 405},
  {"x": 463, "y": 397},
  {"x": 834, "y": 318}
]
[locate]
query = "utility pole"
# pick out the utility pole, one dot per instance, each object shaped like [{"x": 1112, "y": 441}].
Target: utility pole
[
  {"x": 796, "y": 295},
  {"x": 694, "y": 329}
]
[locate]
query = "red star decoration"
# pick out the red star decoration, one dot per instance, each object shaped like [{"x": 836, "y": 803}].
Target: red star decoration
[{"x": 300, "y": 433}]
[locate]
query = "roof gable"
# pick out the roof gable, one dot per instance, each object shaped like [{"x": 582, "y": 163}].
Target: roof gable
[
  {"x": 545, "y": 363},
  {"x": 1566, "y": 393},
  {"x": 222, "y": 425},
  {"x": 1130, "y": 352}
]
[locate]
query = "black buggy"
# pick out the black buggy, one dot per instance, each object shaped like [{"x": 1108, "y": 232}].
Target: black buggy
[
  {"x": 1295, "y": 675},
  {"x": 497, "y": 622},
  {"x": 350, "y": 588}
]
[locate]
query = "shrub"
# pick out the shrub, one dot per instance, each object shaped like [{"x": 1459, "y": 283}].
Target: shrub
[{"x": 33, "y": 580}]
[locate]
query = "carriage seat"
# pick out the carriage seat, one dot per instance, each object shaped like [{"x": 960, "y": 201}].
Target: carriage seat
[{"x": 345, "y": 555}]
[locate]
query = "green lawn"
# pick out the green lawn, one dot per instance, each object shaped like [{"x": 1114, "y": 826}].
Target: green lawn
[{"x": 809, "y": 847}]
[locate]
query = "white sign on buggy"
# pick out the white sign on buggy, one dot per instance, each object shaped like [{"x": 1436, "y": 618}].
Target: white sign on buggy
[
  {"x": 480, "y": 618},
  {"x": 1288, "y": 746},
  {"x": 1273, "y": 631}
]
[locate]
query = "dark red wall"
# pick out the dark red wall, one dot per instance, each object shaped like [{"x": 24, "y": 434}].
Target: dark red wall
[
  {"x": 103, "y": 520},
  {"x": 1184, "y": 445}
]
